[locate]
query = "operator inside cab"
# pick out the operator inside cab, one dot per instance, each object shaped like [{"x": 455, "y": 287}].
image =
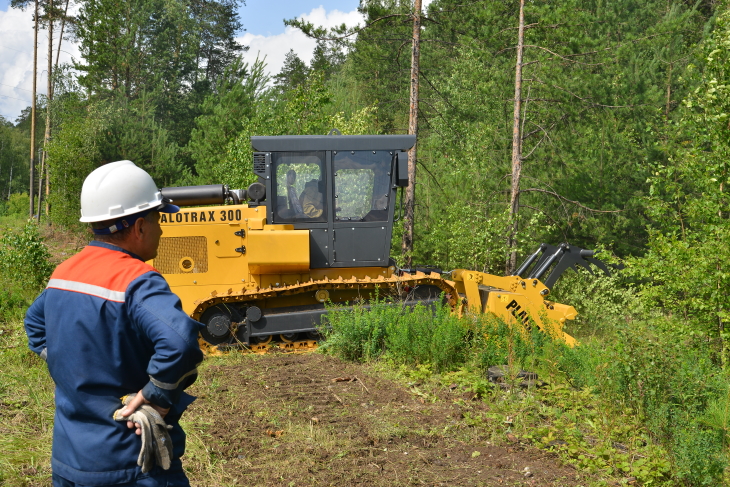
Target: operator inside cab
[
  {"x": 312, "y": 198},
  {"x": 310, "y": 202}
]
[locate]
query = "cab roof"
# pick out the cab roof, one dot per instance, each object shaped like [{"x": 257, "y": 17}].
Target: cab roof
[{"x": 298, "y": 143}]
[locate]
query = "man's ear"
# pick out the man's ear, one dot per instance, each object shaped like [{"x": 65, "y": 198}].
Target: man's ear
[{"x": 139, "y": 226}]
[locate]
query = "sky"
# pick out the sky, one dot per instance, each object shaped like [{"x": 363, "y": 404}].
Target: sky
[{"x": 265, "y": 34}]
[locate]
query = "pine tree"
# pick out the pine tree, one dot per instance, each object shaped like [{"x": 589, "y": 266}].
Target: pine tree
[{"x": 292, "y": 74}]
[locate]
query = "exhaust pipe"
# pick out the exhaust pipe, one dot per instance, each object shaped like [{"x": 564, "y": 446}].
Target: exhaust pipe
[{"x": 212, "y": 194}]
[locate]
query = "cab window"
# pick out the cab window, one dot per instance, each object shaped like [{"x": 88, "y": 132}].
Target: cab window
[
  {"x": 300, "y": 187},
  {"x": 362, "y": 183}
]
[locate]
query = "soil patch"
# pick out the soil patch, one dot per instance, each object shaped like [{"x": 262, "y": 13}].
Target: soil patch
[{"x": 311, "y": 419}]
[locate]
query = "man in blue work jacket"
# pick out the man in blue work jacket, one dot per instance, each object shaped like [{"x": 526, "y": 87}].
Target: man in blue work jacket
[{"x": 108, "y": 326}]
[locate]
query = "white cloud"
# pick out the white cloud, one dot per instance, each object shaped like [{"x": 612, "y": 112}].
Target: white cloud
[
  {"x": 275, "y": 47},
  {"x": 16, "y": 60}
]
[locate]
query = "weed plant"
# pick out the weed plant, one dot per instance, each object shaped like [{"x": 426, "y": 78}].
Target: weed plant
[
  {"x": 417, "y": 335},
  {"x": 24, "y": 270},
  {"x": 24, "y": 258}
]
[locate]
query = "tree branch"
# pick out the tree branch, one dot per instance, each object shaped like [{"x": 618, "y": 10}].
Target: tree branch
[
  {"x": 563, "y": 198},
  {"x": 319, "y": 33},
  {"x": 563, "y": 57}
]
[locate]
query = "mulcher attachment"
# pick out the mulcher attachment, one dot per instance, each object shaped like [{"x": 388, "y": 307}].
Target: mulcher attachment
[{"x": 557, "y": 260}]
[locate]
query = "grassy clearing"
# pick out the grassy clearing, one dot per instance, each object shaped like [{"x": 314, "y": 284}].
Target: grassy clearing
[
  {"x": 641, "y": 399},
  {"x": 294, "y": 433}
]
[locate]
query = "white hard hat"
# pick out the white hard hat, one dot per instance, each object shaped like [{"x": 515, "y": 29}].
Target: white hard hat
[{"x": 119, "y": 189}]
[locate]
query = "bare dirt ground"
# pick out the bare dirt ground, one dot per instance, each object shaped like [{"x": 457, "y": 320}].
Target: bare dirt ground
[{"x": 311, "y": 419}]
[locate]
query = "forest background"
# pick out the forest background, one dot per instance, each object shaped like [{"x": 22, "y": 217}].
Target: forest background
[{"x": 624, "y": 130}]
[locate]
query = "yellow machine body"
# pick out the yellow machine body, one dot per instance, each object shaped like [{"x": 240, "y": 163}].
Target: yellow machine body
[
  {"x": 316, "y": 229},
  {"x": 211, "y": 251},
  {"x": 225, "y": 254}
]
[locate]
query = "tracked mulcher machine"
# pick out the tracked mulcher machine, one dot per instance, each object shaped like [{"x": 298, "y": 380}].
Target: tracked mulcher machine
[{"x": 261, "y": 263}]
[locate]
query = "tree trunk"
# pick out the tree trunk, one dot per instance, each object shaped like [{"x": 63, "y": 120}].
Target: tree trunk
[
  {"x": 516, "y": 149},
  {"x": 669, "y": 90},
  {"x": 60, "y": 37},
  {"x": 10, "y": 180},
  {"x": 49, "y": 88},
  {"x": 40, "y": 184},
  {"x": 32, "y": 112},
  {"x": 407, "y": 246}
]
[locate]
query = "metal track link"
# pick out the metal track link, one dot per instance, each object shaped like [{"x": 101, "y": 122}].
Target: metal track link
[
  {"x": 399, "y": 283},
  {"x": 300, "y": 346},
  {"x": 394, "y": 282}
]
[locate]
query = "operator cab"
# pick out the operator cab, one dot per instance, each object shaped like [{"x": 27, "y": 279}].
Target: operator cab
[{"x": 340, "y": 188}]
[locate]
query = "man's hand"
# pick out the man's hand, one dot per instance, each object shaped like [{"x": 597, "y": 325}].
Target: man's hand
[
  {"x": 134, "y": 404},
  {"x": 146, "y": 419}
]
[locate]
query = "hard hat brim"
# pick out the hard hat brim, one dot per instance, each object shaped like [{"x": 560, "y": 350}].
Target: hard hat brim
[{"x": 168, "y": 208}]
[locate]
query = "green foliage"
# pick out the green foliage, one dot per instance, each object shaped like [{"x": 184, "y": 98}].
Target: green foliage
[
  {"x": 467, "y": 144},
  {"x": 668, "y": 379},
  {"x": 685, "y": 270},
  {"x": 293, "y": 74},
  {"x": 14, "y": 145},
  {"x": 430, "y": 336},
  {"x": 226, "y": 113},
  {"x": 306, "y": 109},
  {"x": 91, "y": 134},
  {"x": 497, "y": 343},
  {"x": 142, "y": 44},
  {"x": 18, "y": 204},
  {"x": 601, "y": 301},
  {"x": 24, "y": 258},
  {"x": 74, "y": 153}
]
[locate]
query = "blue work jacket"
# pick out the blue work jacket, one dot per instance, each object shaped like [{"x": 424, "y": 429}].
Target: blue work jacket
[{"x": 108, "y": 325}]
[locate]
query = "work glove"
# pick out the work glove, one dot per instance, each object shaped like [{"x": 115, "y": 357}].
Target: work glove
[{"x": 156, "y": 441}]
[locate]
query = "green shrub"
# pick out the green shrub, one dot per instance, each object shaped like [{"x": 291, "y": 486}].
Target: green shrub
[
  {"x": 409, "y": 335},
  {"x": 602, "y": 301},
  {"x": 427, "y": 335},
  {"x": 24, "y": 258},
  {"x": 356, "y": 334},
  {"x": 424, "y": 335},
  {"x": 698, "y": 455},
  {"x": 497, "y": 343},
  {"x": 18, "y": 205}
]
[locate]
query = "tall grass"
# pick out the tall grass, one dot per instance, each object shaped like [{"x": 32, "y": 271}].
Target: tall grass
[
  {"x": 646, "y": 367},
  {"x": 26, "y": 411},
  {"x": 426, "y": 335},
  {"x": 670, "y": 383},
  {"x": 26, "y": 389}
]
